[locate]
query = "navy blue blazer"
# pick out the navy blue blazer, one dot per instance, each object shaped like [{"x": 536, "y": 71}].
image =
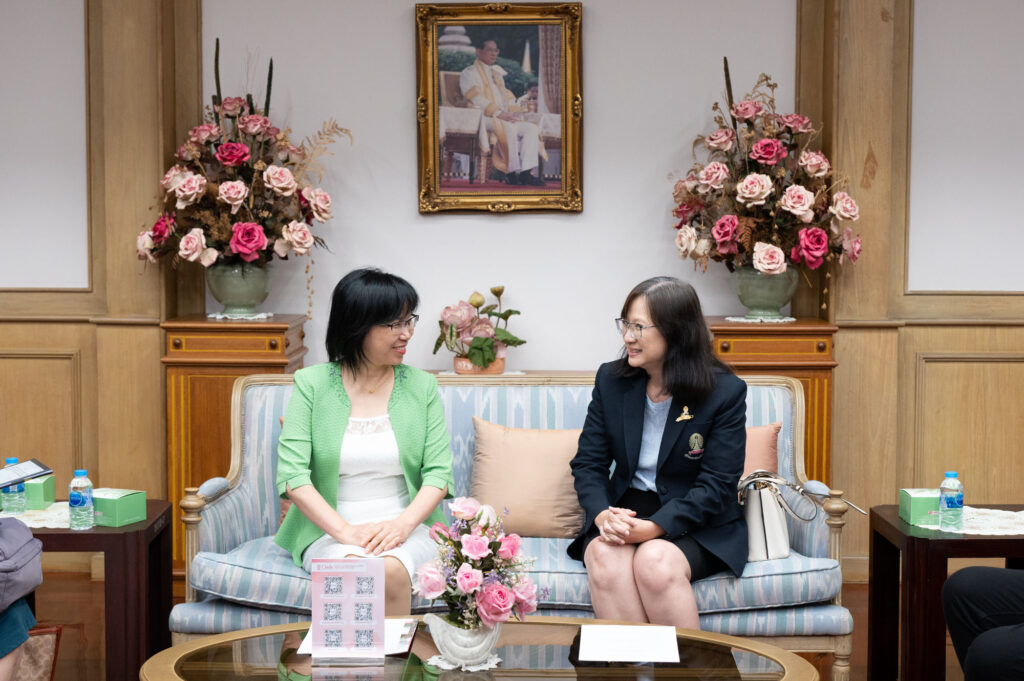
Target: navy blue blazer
[{"x": 697, "y": 489}]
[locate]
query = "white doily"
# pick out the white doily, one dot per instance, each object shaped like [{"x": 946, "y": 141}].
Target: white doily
[
  {"x": 988, "y": 521},
  {"x": 762, "y": 320},
  {"x": 441, "y": 663},
  {"x": 55, "y": 516},
  {"x": 259, "y": 316}
]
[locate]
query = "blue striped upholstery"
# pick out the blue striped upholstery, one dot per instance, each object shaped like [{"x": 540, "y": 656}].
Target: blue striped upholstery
[{"x": 245, "y": 580}]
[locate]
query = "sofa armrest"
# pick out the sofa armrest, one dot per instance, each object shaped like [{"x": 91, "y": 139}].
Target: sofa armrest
[
  {"x": 192, "y": 505},
  {"x": 835, "y": 507}
]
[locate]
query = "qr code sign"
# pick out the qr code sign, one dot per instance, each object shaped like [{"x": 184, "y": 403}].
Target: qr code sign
[
  {"x": 364, "y": 612},
  {"x": 333, "y": 585},
  {"x": 332, "y": 612},
  {"x": 364, "y": 586},
  {"x": 332, "y": 638},
  {"x": 364, "y": 638}
]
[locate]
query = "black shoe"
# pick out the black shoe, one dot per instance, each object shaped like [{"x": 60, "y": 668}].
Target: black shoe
[
  {"x": 527, "y": 177},
  {"x": 512, "y": 178}
]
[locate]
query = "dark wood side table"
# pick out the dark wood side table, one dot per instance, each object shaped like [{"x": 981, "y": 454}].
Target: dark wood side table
[
  {"x": 910, "y": 621},
  {"x": 204, "y": 357},
  {"x": 137, "y": 584},
  {"x": 803, "y": 350}
]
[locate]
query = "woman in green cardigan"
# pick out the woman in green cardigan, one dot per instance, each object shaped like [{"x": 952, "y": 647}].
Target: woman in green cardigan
[{"x": 364, "y": 452}]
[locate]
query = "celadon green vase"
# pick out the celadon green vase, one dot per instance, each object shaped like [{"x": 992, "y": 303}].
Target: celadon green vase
[
  {"x": 240, "y": 288},
  {"x": 764, "y": 295}
]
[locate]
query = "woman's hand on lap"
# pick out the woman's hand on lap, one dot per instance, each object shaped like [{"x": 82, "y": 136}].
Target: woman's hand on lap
[
  {"x": 616, "y": 524},
  {"x": 359, "y": 534},
  {"x": 644, "y": 530},
  {"x": 390, "y": 534}
]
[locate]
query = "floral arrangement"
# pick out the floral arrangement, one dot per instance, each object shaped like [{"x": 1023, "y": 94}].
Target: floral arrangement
[
  {"x": 479, "y": 569},
  {"x": 240, "y": 191},
  {"x": 763, "y": 197},
  {"x": 467, "y": 329}
]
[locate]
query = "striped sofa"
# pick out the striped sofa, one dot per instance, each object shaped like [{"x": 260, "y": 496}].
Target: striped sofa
[{"x": 238, "y": 578}]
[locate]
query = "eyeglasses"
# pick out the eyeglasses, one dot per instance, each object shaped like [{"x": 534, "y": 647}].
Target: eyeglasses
[
  {"x": 636, "y": 330},
  {"x": 406, "y": 325}
]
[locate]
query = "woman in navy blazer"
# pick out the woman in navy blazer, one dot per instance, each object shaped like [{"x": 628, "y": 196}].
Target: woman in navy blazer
[{"x": 661, "y": 452}]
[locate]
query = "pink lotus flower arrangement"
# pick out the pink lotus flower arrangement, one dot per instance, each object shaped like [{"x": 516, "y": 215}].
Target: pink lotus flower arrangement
[
  {"x": 467, "y": 329},
  {"x": 240, "y": 191},
  {"x": 479, "y": 569},
  {"x": 763, "y": 197}
]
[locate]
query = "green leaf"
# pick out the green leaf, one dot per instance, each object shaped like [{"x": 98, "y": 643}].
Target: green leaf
[
  {"x": 438, "y": 343},
  {"x": 481, "y": 352},
  {"x": 505, "y": 314},
  {"x": 487, "y": 309},
  {"x": 451, "y": 337},
  {"x": 507, "y": 338}
]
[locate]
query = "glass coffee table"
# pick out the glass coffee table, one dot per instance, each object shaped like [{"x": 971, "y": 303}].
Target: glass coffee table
[{"x": 542, "y": 647}]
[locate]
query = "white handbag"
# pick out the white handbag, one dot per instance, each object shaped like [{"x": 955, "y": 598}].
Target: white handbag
[{"x": 765, "y": 510}]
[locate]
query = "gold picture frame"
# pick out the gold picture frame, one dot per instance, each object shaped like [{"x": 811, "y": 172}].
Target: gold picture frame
[{"x": 497, "y": 133}]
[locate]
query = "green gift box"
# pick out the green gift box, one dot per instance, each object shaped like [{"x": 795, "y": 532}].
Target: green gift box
[
  {"x": 40, "y": 492},
  {"x": 919, "y": 506},
  {"x": 117, "y": 507}
]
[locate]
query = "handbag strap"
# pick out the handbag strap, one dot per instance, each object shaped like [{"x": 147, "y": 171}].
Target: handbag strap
[{"x": 772, "y": 481}]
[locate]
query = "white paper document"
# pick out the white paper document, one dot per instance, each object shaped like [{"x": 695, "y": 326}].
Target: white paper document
[
  {"x": 618, "y": 643},
  {"x": 397, "y": 637}
]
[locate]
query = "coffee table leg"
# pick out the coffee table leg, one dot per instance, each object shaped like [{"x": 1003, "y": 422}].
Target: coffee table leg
[
  {"x": 923, "y": 651},
  {"x": 883, "y": 609},
  {"x": 158, "y": 590}
]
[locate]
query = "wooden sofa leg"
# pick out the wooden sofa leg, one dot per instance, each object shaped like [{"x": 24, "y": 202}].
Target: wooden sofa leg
[{"x": 841, "y": 665}]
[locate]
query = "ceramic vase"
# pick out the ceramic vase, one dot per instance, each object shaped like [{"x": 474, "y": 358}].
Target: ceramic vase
[
  {"x": 764, "y": 295},
  {"x": 462, "y": 365},
  {"x": 240, "y": 288},
  {"x": 462, "y": 647}
]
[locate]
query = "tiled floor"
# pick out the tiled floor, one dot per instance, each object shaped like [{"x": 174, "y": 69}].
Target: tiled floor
[{"x": 74, "y": 601}]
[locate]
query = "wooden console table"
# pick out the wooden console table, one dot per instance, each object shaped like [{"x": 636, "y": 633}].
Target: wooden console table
[
  {"x": 203, "y": 359},
  {"x": 802, "y": 349}
]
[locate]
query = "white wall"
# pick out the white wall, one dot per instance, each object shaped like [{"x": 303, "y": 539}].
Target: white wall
[
  {"x": 966, "y": 147},
  {"x": 651, "y": 70},
  {"x": 43, "y": 186}
]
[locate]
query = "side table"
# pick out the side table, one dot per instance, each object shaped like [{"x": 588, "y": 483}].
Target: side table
[
  {"x": 802, "y": 349},
  {"x": 910, "y": 620},
  {"x": 137, "y": 584},
  {"x": 203, "y": 358}
]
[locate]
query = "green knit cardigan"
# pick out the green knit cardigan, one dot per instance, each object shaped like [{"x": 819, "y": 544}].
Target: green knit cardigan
[{"x": 309, "y": 449}]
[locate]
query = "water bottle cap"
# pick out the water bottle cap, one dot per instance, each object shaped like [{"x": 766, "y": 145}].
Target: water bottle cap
[
  {"x": 950, "y": 474},
  {"x": 81, "y": 473},
  {"x": 10, "y": 459}
]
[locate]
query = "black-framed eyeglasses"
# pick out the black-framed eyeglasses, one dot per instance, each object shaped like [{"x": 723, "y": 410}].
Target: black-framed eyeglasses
[
  {"x": 636, "y": 330},
  {"x": 406, "y": 324}
]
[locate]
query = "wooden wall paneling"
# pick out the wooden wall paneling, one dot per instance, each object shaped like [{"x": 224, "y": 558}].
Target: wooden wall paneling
[{"x": 865, "y": 442}]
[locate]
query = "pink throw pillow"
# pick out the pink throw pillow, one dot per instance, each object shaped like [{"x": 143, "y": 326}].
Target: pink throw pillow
[{"x": 762, "y": 448}]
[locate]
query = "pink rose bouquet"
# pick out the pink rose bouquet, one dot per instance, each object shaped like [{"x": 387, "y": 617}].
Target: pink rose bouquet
[
  {"x": 760, "y": 195},
  {"x": 240, "y": 191},
  {"x": 476, "y": 331},
  {"x": 479, "y": 572}
]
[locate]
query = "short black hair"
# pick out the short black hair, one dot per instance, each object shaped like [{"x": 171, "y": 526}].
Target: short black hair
[
  {"x": 690, "y": 364},
  {"x": 361, "y": 300}
]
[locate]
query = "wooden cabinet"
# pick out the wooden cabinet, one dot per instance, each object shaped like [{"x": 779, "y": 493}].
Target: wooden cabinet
[
  {"x": 202, "y": 360},
  {"x": 802, "y": 349}
]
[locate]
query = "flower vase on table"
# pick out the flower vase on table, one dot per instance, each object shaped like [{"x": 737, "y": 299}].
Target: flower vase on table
[
  {"x": 240, "y": 288},
  {"x": 480, "y": 575},
  {"x": 764, "y": 295}
]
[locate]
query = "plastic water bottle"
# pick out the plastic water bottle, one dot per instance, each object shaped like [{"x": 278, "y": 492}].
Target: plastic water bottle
[
  {"x": 951, "y": 503},
  {"x": 13, "y": 496},
  {"x": 80, "y": 501}
]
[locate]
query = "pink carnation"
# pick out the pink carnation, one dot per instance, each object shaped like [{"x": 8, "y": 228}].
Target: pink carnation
[
  {"x": 768, "y": 151},
  {"x": 247, "y": 240},
  {"x": 201, "y": 134},
  {"x": 233, "y": 106},
  {"x": 494, "y": 604},
  {"x": 797, "y": 123}
]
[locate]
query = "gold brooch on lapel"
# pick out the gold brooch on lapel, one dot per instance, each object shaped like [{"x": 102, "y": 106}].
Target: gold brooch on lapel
[{"x": 685, "y": 416}]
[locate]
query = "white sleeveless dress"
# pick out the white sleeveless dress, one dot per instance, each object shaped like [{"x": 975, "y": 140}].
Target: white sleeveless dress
[{"x": 372, "y": 488}]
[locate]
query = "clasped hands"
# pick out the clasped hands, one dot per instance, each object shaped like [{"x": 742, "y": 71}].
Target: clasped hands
[
  {"x": 375, "y": 538},
  {"x": 619, "y": 526}
]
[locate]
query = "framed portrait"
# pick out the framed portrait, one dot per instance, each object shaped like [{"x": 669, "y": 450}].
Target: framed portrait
[{"x": 499, "y": 107}]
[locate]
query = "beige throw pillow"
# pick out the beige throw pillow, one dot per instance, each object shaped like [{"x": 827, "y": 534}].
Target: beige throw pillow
[
  {"x": 527, "y": 471},
  {"x": 762, "y": 448}
]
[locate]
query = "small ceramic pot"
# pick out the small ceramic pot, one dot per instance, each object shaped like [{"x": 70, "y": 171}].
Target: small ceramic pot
[
  {"x": 462, "y": 647},
  {"x": 462, "y": 365}
]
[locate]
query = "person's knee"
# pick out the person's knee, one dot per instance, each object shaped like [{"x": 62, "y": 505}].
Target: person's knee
[
  {"x": 994, "y": 655},
  {"x": 657, "y": 564},
  {"x": 961, "y": 586},
  {"x": 605, "y": 565}
]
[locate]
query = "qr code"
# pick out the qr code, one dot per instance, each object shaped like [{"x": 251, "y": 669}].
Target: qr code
[
  {"x": 364, "y": 586},
  {"x": 332, "y": 612},
  {"x": 364, "y": 612},
  {"x": 332, "y": 638},
  {"x": 364, "y": 638},
  {"x": 333, "y": 585}
]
